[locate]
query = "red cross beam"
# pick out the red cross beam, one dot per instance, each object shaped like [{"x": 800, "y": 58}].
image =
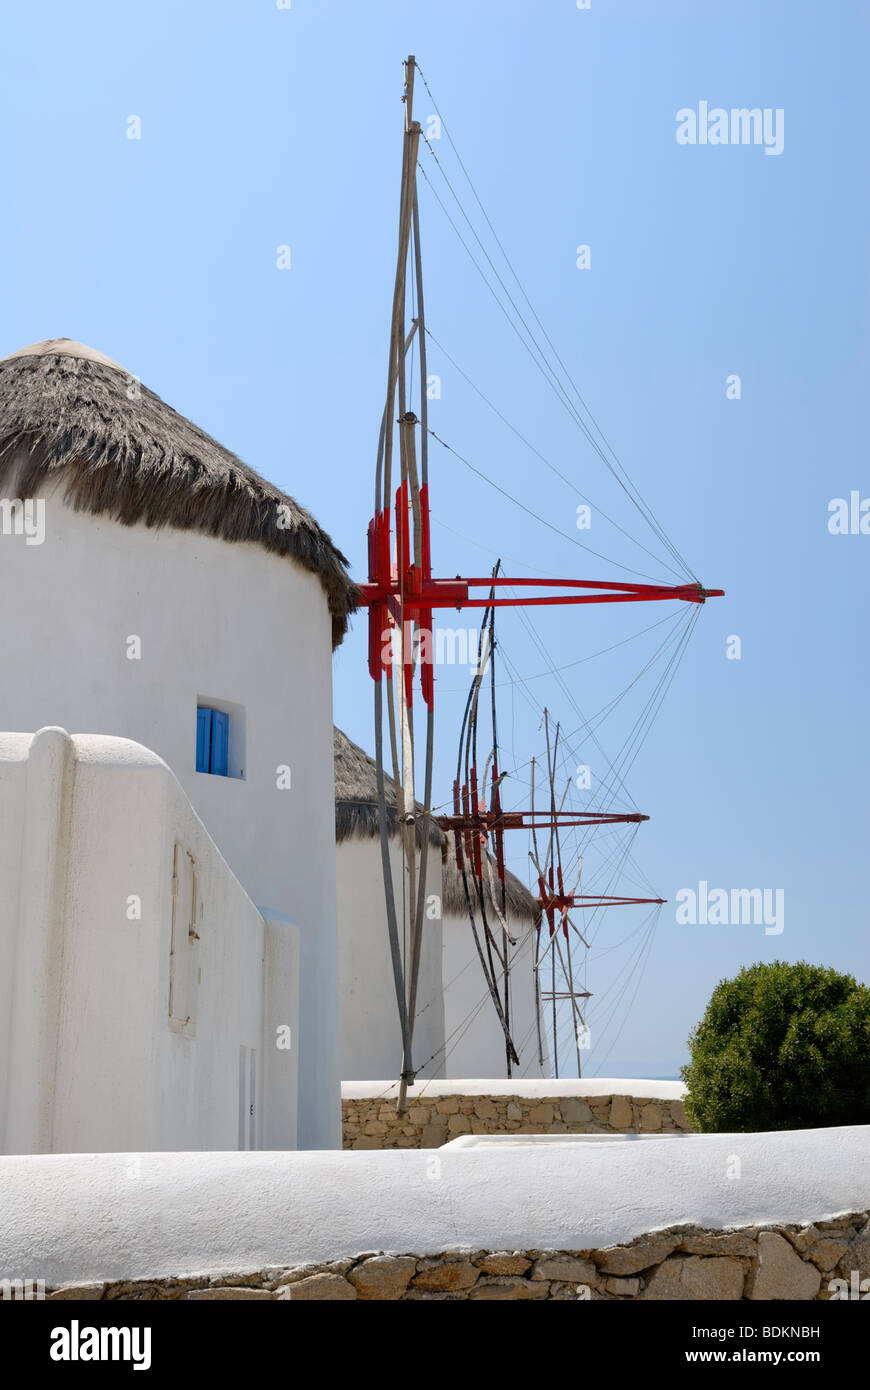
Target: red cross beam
[
  {"x": 454, "y": 593},
  {"x": 487, "y": 821},
  {"x": 406, "y": 592},
  {"x": 553, "y": 899},
  {"x": 563, "y": 902},
  {"x": 473, "y": 823}
]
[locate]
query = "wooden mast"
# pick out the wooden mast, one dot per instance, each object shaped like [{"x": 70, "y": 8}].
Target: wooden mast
[
  {"x": 402, "y": 597},
  {"x": 411, "y": 560}
]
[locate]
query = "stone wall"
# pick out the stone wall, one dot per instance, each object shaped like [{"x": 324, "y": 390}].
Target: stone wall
[
  {"x": 685, "y": 1263},
  {"x": 372, "y": 1123}
]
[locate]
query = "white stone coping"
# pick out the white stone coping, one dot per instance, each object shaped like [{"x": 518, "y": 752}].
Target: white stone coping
[
  {"x": 527, "y": 1090},
  {"x": 72, "y": 1217},
  {"x": 501, "y": 1141}
]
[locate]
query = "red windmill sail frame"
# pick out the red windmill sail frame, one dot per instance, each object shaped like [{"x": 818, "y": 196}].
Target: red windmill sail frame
[
  {"x": 478, "y": 835},
  {"x": 402, "y": 598}
]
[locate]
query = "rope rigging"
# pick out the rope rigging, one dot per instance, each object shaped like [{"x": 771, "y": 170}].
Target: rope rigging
[
  {"x": 565, "y": 535},
  {"x": 402, "y": 596},
  {"x": 552, "y": 467},
  {"x": 551, "y": 377},
  {"x": 630, "y": 486}
]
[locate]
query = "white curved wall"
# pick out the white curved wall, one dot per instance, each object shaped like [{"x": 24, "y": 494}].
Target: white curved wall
[
  {"x": 476, "y": 1046},
  {"x": 121, "y": 1030},
  {"x": 369, "y": 1018},
  {"x": 226, "y": 621}
]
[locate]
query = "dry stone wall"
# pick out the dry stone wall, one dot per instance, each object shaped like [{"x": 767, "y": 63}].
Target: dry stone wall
[
  {"x": 372, "y": 1123},
  {"x": 829, "y": 1259}
]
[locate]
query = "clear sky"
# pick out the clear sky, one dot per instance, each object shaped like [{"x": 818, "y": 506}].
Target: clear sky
[{"x": 264, "y": 127}]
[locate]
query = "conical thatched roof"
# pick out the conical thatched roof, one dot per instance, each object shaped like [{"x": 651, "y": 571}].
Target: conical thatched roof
[
  {"x": 67, "y": 412},
  {"x": 356, "y": 817},
  {"x": 521, "y": 906},
  {"x": 356, "y": 796}
]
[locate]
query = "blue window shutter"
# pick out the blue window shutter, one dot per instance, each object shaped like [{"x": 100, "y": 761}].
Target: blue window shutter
[
  {"x": 220, "y": 739},
  {"x": 203, "y": 740}
]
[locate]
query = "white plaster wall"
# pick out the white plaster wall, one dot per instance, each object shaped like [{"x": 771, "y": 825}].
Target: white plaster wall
[
  {"x": 641, "y": 1088},
  {"x": 92, "y": 1061},
  {"x": 70, "y": 1218},
  {"x": 281, "y": 999},
  {"x": 13, "y": 774},
  {"x": 476, "y": 1044},
  {"x": 226, "y": 621},
  {"x": 369, "y": 1019}
]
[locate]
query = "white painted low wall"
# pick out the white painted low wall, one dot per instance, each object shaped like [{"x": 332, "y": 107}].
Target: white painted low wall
[
  {"x": 96, "y": 838},
  {"x": 70, "y": 1218},
  {"x": 529, "y": 1089}
]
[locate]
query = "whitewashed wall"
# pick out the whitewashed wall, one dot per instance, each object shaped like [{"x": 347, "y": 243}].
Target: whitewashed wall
[
  {"x": 477, "y": 1047},
  {"x": 80, "y": 1218},
  {"x": 369, "y": 1018},
  {"x": 220, "y": 622},
  {"x": 92, "y": 1060}
]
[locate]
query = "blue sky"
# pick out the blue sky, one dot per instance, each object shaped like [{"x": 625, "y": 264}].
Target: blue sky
[{"x": 263, "y": 127}]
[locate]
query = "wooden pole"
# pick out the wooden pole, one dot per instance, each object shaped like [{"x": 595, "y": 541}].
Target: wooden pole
[{"x": 405, "y": 781}]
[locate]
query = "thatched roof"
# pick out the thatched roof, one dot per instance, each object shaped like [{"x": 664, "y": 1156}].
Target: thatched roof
[
  {"x": 356, "y": 817},
  {"x": 71, "y": 414},
  {"x": 356, "y": 796},
  {"x": 521, "y": 906}
]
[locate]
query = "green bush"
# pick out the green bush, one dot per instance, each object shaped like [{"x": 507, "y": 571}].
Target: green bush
[{"x": 781, "y": 1047}]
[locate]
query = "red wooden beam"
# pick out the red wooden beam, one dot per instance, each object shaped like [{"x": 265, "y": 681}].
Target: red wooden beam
[
  {"x": 487, "y": 821},
  {"x": 407, "y": 593},
  {"x": 562, "y": 902},
  {"x": 420, "y": 593}
]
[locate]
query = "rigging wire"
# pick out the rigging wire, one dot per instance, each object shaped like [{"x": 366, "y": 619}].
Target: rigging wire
[
  {"x": 585, "y": 724},
  {"x": 598, "y": 719},
  {"x": 568, "y": 694},
  {"x": 635, "y": 739},
  {"x": 619, "y": 859},
  {"x": 628, "y": 486},
  {"x": 528, "y": 510},
  {"x": 559, "y": 391},
  {"x": 655, "y": 703},
  {"x": 546, "y": 461},
  {"x": 614, "y": 782},
  {"x": 642, "y": 964}
]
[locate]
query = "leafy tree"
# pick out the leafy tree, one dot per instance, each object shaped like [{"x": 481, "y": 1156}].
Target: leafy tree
[{"x": 781, "y": 1046}]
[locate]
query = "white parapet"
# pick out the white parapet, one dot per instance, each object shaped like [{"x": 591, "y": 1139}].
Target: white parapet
[
  {"x": 543, "y": 1088},
  {"x": 148, "y": 1003},
  {"x": 67, "y": 1218}
]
